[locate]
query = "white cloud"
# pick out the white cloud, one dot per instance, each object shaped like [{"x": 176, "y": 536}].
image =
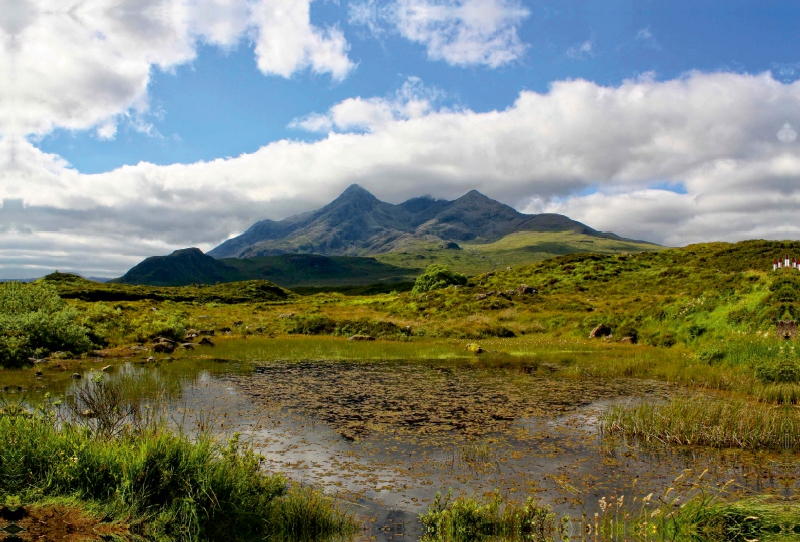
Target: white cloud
[
  {"x": 287, "y": 42},
  {"x": 80, "y": 64},
  {"x": 581, "y": 51},
  {"x": 460, "y": 32},
  {"x": 413, "y": 100},
  {"x": 715, "y": 134}
]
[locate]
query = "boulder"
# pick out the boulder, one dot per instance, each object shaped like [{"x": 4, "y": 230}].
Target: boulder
[
  {"x": 481, "y": 296},
  {"x": 524, "y": 289},
  {"x": 164, "y": 348},
  {"x": 600, "y": 331},
  {"x": 206, "y": 332},
  {"x": 361, "y": 338}
]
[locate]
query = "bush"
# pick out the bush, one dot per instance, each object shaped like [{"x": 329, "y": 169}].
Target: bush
[
  {"x": 436, "y": 277},
  {"x": 35, "y": 321}
]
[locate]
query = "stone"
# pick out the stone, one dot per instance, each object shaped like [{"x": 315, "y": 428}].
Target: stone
[
  {"x": 163, "y": 348},
  {"x": 187, "y": 346},
  {"x": 474, "y": 348},
  {"x": 106, "y": 369},
  {"x": 209, "y": 332},
  {"x": 151, "y": 359},
  {"x": 206, "y": 342},
  {"x": 76, "y": 376},
  {"x": 600, "y": 331},
  {"x": 524, "y": 289},
  {"x": 627, "y": 340},
  {"x": 786, "y": 329},
  {"x": 481, "y": 296},
  {"x": 361, "y": 338}
]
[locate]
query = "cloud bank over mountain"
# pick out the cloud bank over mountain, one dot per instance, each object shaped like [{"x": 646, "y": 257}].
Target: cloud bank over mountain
[{"x": 702, "y": 157}]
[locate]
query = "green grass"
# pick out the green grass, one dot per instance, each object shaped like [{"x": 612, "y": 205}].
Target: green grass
[
  {"x": 709, "y": 421},
  {"x": 165, "y": 486}
]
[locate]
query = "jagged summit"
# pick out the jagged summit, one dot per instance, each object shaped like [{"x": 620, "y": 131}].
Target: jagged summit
[{"x": 357, "y": 223}]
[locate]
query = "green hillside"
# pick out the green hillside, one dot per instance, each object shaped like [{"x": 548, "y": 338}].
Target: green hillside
[
  {"x": 513, "y": 250},
  {"x": 715, "y": 291}
]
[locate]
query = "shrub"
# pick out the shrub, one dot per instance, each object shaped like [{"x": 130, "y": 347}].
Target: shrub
[
  {"x": 436, "y": 277},
  {"x": 35, "y": 321}
]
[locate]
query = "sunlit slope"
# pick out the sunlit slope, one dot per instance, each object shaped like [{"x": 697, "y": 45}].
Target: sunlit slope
[{"x": 513, "y": 250}]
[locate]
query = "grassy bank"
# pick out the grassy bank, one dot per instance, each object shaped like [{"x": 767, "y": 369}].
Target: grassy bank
[{"x": 159, "y": 485}]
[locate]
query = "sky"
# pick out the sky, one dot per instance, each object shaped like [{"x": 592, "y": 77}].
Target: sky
[{"x": 131, "y": 128}]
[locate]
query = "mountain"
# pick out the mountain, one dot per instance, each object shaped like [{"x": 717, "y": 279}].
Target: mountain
[
  {"x": 191, "y": 266},
  {"x": 357, "y": 224},
  {"x": 181, "y": 268}
]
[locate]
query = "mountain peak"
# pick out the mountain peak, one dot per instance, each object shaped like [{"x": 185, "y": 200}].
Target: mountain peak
[{"x": 356, "y": 191}]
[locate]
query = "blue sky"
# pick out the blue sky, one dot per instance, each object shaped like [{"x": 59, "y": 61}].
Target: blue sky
[
  {"x": 134, "y": 128},
  {"x": 221, "y": 105}
]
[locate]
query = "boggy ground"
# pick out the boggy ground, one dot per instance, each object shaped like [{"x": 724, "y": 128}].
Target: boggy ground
[{"x": 433, "y": 399}]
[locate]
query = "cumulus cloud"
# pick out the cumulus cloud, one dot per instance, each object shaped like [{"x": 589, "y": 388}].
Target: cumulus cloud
[
  {"x": 412, "y": 100},
  {"x": 80, "y": 64},
  {"x": 460, "y": 32},
  {"x": 287, "y": 42},
  {"x": 592, "y": 152}
]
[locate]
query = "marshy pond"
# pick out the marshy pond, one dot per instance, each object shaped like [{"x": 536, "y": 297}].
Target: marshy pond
[{"x": 384, "y": 436}]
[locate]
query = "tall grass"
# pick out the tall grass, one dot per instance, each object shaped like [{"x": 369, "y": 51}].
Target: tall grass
[
  {"x": 706, "y": 421},
  {"x": 469, "y": 519},
  {"x": 166, "y": 486}
]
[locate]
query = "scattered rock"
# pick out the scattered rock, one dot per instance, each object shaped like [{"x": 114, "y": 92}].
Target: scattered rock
[
  {"x": 224, "y": 330},
  {"x": 481, "y": 296},
  {"x": 206, "y": 332},
  {"x": 187, "y": 346},
  {"x": 76, "y": 376},
  {"x": 627, "y": 340},
  {"x": 238, "y": 323},
  {"x": 286, "y": 315},
  {"x": 510, "y": 293},
  {"x": 474, "y": 348},
  {"x": 361, "y": 338},
  {"x": 206, "y": 342},
  {"x": 151, "y": 359},
  {"x": 38, "y": 373},
  {"x": 600, "y": 331},
  {"x": 524, "y": 289}
]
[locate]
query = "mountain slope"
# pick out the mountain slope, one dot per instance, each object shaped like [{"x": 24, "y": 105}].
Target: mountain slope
[
  {"x": 181, "y": 268},
  {"x": 357, "y": 223}
]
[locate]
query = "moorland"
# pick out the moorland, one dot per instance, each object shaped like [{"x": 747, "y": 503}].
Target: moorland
[{"x": 675, "y": 350}]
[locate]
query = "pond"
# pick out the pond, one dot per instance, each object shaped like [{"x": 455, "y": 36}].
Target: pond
[{"x": 385, "y": 436}]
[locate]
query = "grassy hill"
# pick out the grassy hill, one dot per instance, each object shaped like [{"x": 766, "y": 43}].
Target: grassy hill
[
  {"x": 71, "y": 286},
  {"x": 519, "y": 248}
]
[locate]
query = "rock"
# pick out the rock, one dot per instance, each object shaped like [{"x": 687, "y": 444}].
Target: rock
[
  {"x": 361, "y": 338},
  {"x": 153, "y": 309},
  {"x": 286, "y": 315},
  {"x": 205, "y": 341},
  {"x": 481, "y": 296},
  {"x": 151, "y": 359},
  {"x": 187, "y": 346},
  {"x": 89, "y": 413},
  {"x": 627, "y": 340},
  {"x": 224, "y": 330},
  {"x": 474, "y": 348},
  {"x": 524, "y": 289},
  {"x": 163, "y": 348},
  {"x": 508, "y": 268},
  {"x": 510, "y": 293},
  {"x": 38, "y": 373},
  {"x": 106, "y": 369},
  {"x": 238, "y": 323},
  {"x": 600, "y": 331},
  {"x": 206, "y": 332},
  {"x": 76, "y": 376}
]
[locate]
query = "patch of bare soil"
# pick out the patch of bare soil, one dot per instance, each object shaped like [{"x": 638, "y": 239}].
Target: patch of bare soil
[
  {"x": 56, "y": 523},
  {"x": 357, "y": 398}
]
